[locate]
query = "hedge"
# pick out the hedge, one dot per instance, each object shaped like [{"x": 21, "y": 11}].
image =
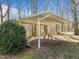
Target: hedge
[{"x": 12, "y": 37}]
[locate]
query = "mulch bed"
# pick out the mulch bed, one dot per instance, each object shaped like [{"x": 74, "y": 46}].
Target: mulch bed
[{"x": 46, "y": 43}]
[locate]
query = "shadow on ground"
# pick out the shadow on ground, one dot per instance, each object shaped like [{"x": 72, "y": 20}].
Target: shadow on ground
[{"x": 46, "y": 43}]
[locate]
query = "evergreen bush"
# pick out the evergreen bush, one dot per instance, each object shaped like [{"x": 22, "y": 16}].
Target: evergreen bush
[{"x": 12, "y": 37}]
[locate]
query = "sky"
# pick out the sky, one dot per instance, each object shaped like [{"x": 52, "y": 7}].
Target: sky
[{"x": 14, "y": 11}]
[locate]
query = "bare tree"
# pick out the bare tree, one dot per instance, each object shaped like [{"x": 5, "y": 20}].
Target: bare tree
[
  {"x": 34, "y": 10},
  {"x": 75, "y": 16},
  {"x": 1, "y": 15},
  {"x": 33, "y": 6},
  {"x": 20, "y": 8},
  {"x": 46, "y": 4},
  {"x": 9, "y": 3},
  {"x": 8, "y": 9}
]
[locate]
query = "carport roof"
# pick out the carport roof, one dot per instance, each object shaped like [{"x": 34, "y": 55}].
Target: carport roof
[{"x": 46, "y": 18}]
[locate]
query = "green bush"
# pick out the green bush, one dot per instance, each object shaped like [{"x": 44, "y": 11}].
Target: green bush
[{"x": 12, "y": 37}]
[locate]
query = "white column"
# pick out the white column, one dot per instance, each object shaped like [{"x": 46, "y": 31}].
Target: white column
[{"x": 38, "y": 32}]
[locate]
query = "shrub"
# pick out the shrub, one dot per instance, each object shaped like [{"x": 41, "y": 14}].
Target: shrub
[{"x": 12, "y": 37}]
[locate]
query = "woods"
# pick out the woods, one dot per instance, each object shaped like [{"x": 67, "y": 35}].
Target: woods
[{"x": 63, "y": 10}]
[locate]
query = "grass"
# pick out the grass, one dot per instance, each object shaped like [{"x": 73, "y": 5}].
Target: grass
[
  {"x": 66, "y": 50},
  {"x": 27, "y": 55}
]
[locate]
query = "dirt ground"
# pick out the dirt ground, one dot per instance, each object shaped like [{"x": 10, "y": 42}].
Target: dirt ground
[{"x": 46, "y": 43}]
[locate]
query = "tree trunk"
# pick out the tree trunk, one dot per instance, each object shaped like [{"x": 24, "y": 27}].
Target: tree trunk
[
  {"x": 75, "y": 17},
  {"x": 46, "y": 9},
  {"x": 34, "y": 5},
  {"x": 19, "y": 6},
  {"x": 46, "y": 5},
  {"x": 1, "y": 12},
  {"x": 8, "y": 14}
]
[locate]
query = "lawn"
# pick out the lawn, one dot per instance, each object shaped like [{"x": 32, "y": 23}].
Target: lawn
[{"x": 65, "y": 50}]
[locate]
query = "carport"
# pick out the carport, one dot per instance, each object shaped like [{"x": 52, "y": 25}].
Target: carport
[{"x": 46, "y": 18}]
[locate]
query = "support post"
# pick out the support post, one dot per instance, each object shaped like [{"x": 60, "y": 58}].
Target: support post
[
  {"x": 39, "y": 29},
  {"x": 38, "y": 32}
]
